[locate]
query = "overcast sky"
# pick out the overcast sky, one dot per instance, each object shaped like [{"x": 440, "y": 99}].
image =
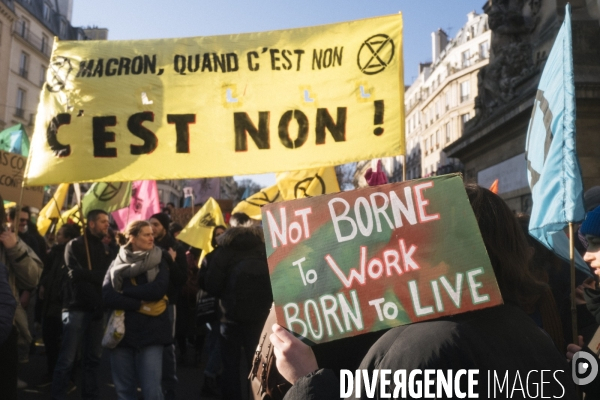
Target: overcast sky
[{"x": 152, "y": 19}]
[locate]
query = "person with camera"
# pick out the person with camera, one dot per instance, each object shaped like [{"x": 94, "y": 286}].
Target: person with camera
[{"x": 24, "y": 271}]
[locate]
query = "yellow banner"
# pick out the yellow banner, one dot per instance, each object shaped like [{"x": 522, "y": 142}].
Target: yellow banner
[{"x": 220, "y": 105}]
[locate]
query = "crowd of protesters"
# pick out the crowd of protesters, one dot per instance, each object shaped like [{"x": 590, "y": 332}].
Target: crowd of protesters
[{"x": 174, "y": 298}]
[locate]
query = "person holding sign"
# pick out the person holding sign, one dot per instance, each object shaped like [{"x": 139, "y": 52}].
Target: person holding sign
[
  {"x": 590, "y": 228},
  {"x": 477, "y": 347}
]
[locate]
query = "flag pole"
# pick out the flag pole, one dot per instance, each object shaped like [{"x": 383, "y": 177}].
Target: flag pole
[
  {"x": 193, "y": 201},
  {"x": 573, "y": 301}
]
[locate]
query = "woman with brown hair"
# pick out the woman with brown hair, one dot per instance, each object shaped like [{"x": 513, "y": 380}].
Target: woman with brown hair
[
  {"x": 137, "y": 282},
  {"x": 501, "y": 340}
]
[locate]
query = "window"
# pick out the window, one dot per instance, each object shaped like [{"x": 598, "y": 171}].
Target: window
[
  {"x": 465, "y": 89},
  {"x": 46, "y": 10},
  {"x": 437, "y": 108},
  {"x": 463, "y": 120},
  {"x": 484, "y": 50},
  {"x": 448, "y": 132},
  {"x": 20, "y": 111},
  {"x": 42, "y": 75},
  {"x": 24, "y": 31},
  {"x": 437, "y": 139},
  {"x": 466, "y": 58},
  {"x": 44, "y": 46},
  {"x": 447, "y": 100},
  {"x": 23, "y": 63},
  {"x": 426, "y": 146}
]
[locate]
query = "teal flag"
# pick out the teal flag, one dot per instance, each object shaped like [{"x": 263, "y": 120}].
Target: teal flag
[
  {"x": 15, "y": 140},
  {"x": 552, "y": 165},
  {"x": 107, "y": 196}
]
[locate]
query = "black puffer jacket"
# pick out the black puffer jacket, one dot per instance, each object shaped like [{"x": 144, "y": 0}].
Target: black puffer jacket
[
  {"x": 53, "y": 280},
  {"x": 501, "y": 339},
  {"x": 238, "y": 275},
  {"x": 177, "y": 267},
  {"x": 83, "y": 291}
]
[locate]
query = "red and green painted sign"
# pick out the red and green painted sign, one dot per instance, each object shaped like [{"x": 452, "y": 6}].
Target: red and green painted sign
[{"x": 369, "y": 259}]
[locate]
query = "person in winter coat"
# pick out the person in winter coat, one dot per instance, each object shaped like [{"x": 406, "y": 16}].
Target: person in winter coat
[
  {"x": 83, "y": 311},
  {"x": 502, "y": 339},
  {"x": 590, "y": 228},
  {"x": 24, "y": 270},
  {"x": 212, "y": 345},
  {"x": 238, "y": 275},
  {"x": 8, "y": 304},
  {"x": 50, "y": 291},
  {"x": 177, "y": 277},
  {"x": 137, "y": 283}
]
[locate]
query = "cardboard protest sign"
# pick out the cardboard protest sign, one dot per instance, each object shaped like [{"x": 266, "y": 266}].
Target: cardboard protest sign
[
  {"x": 369, "y": 259},
  {"x": 221, "y": 105},
  {"x": 12, "y": 167}
]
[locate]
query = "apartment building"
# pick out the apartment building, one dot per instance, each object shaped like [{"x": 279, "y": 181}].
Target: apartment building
[
  {"x": 442, "y": 98},
  {"x": 27, "y": 32}
]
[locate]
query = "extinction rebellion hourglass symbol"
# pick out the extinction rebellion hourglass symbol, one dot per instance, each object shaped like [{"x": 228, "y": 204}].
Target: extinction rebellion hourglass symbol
[{"x": 375, "y": 54}]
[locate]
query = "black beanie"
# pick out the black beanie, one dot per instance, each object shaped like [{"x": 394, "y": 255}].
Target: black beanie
[{"x": 163, "y": 219}]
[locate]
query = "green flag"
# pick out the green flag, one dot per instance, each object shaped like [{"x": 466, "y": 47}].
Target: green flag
[{"x": 107, "y": 196}]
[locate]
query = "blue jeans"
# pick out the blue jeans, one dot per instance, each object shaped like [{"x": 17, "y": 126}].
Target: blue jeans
[
  {"x": 79, "y": 328},
  {"x": 131, "y": 366},
  {"x": 212, "y": 347}
]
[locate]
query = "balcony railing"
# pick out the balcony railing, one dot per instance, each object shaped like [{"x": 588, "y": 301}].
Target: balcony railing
[
  {"x": 23, "y": 72},
  {"x": 464, "y": 98},
  {"x": 37, "y": 42},
  {"x": 19, "y": 112}
]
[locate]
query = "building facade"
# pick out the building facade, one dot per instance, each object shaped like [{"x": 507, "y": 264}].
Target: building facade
[
  {"x": 27, "y": 31},
  {"x": 493, "y": 144},
  {"x": 442, "y": 98}
]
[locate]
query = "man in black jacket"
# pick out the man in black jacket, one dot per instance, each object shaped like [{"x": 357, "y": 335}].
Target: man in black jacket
[
  {"x": 177, "y": 276},
  {"x": 83, "y": 314}
]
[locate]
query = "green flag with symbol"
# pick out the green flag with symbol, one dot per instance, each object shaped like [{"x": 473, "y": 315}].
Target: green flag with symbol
[{"x": 107, "y": 196}]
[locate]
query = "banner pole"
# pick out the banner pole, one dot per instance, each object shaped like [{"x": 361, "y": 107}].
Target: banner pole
[
  {"x": 17, "y": 217},
  {"x": 56, "y": 206},
  {"x": 83, "y": 224},
  {"x": 573, "y": 303}
]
